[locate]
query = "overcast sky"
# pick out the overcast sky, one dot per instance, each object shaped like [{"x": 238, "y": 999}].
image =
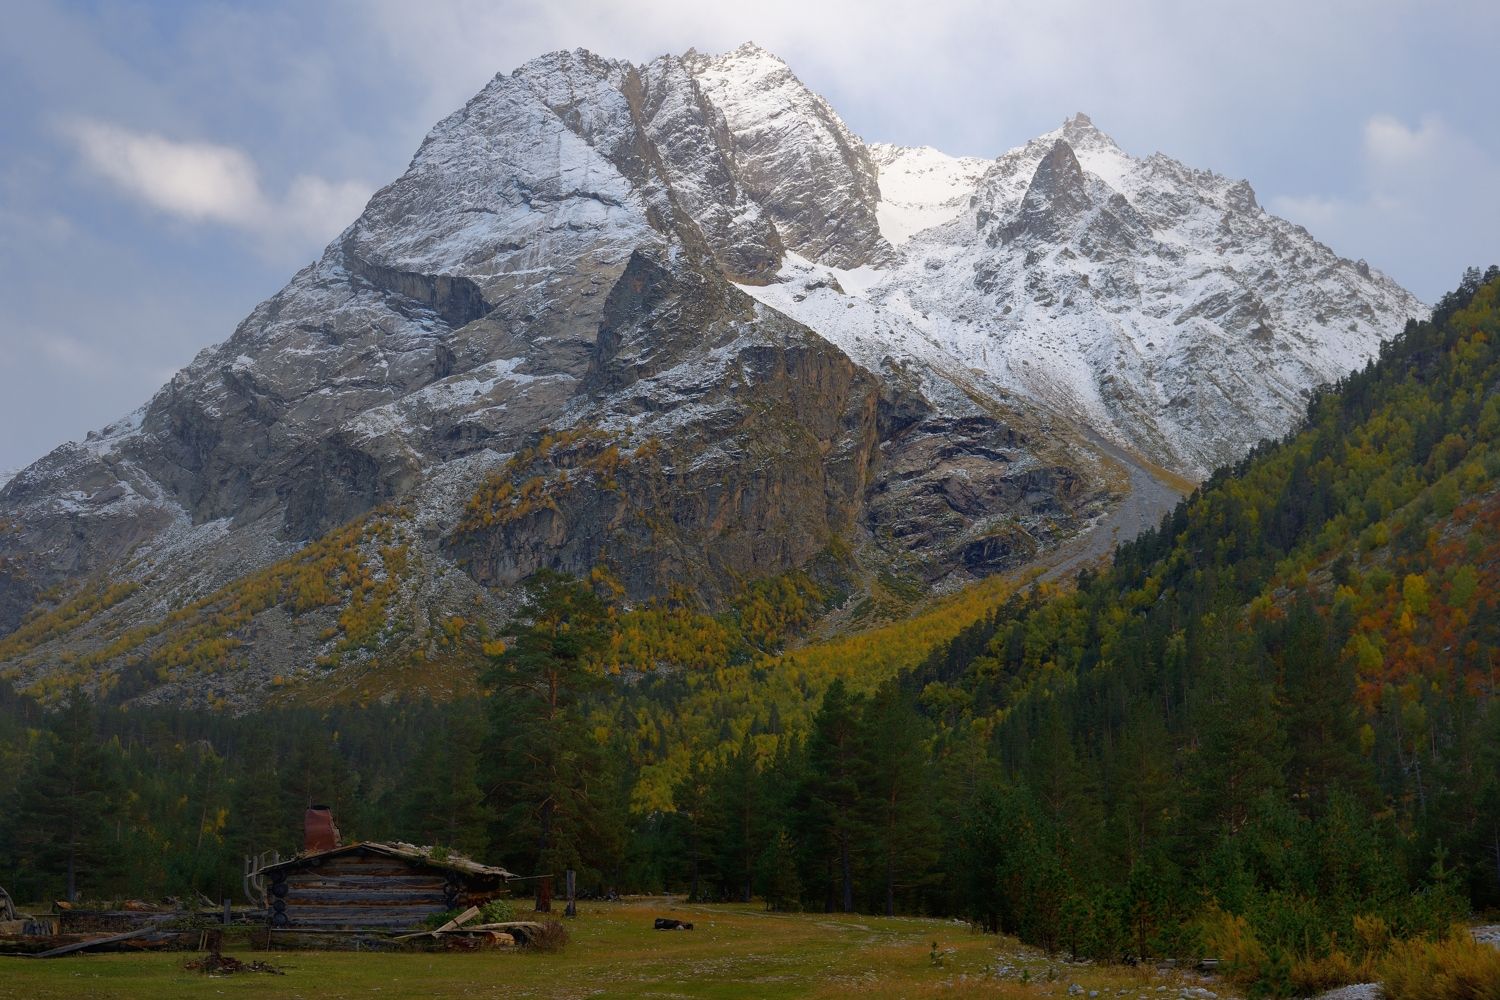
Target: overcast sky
[{"x": 167, "y": 165}]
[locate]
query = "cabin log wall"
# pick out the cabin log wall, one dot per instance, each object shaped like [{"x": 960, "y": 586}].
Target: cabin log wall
[{"x": 362, "y": 890}]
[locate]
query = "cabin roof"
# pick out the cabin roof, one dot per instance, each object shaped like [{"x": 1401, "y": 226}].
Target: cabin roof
[{"x": 406, "y": 852}]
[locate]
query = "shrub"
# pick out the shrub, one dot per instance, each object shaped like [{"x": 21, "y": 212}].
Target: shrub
[
  {"x": 497, "y": 911},
  {"x": 1230, "y": 938},
  {"x": 1373, "y": 935},
  {"x": 551, "y": 937},
  {"x": 1458, "y": 968},
  {"x": 436, "y": 920},
  {"x": 1315, "y": 975}
]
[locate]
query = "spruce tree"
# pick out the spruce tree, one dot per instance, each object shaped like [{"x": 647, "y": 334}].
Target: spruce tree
[
  {"x": 832, "y": 794},
  {"x": 548, "y": 773},
  {"x": 895, "y": 778},
  {"x": 443, "y": 801},
  {"x": 67, "y": 799}
]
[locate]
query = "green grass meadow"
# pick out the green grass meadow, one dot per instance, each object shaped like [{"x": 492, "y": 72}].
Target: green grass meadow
[{"x": 733, "y": 952}]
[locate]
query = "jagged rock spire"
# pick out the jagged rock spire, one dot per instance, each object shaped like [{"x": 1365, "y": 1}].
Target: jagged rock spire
[{"x": 1058, "y": 194}]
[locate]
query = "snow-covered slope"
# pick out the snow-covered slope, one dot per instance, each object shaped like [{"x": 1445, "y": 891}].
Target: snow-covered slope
[
  {"x": 677, "y": 324},
  {"x": 543, "y": 296},
  {"x": 795, "y": 155},
  {"x": 1155, "y": 303},
  {"x": 921, "y": 188}
]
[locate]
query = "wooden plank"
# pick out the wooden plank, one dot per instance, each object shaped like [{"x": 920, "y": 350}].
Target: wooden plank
[
  {"x": 359, "y": 922},
  {"x": 69, "y": 949},
  {"x": 459, "y": 920},
  {"x": 416, "y": 881},
  {"x": 372, "y": 885},
  {"x": 315, "y": 897},
  {"x": 462, "y": 918},
  {"x": 326, "y": 910},
  {"x": 411, "y": 915},
  {"x": 381, "y": 867}
]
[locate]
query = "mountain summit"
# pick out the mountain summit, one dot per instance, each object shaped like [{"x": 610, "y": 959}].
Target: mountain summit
[{"x": 677, "y": 327}]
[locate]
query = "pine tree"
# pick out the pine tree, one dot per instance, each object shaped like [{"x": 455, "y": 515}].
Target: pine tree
[
  {"x": 782, "y": 886},
  {"x": 444, "y": 803},
  {"x": 832, "y": 794},
  {"x": 1240, "y": 754},
  {"x": 66, "y": 800},
  {"x": 895, "y": 778},
  {"x": 1318, "y": 679},
  {"x": 549, "y": 774},
  {"x": 691, "y": 799},
  {"x": 738, "y": 820}
]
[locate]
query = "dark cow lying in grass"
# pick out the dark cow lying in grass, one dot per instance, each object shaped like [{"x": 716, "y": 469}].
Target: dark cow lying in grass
[{"x": 668, "y": 924}]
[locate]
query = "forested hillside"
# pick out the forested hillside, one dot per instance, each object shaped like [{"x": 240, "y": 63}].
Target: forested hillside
[{"x": 1269, "y": 731}]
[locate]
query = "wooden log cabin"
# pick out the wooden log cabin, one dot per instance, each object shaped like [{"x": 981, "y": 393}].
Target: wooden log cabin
[{"x": 371, "y": 886}]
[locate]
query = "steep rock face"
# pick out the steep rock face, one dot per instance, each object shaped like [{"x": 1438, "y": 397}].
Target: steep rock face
[
  {"x": 762, "y": 439},
  {"x": 677, "y": 325},
  {"x": 796, "y": 156},
  {"x": 1055, "y": 200},
  {"x": 523, "y": 354}
]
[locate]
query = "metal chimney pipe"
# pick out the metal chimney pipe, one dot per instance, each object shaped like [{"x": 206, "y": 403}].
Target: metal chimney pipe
[{"x": 319, "y": 833}]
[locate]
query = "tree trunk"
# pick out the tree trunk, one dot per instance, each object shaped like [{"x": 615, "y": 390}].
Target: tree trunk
[
  {"x": 544, "y": 895},
  {"x": 695, "y": 895},
  {"x": 847, "y": 876},
  {"x": 544, "y": 841}
]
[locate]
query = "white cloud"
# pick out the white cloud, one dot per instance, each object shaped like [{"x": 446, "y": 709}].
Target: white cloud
[
  {"x": 206, "y": 182},
  {"x": 197, "y": 181},
  {"x": 1392, "y": 145}
]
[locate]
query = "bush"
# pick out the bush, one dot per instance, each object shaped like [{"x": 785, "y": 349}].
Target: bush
[
  {"x": 1373, "y": 935},
  {"x": 1229, "y": 938},
  {"x": 1458, "y": 968},
  {"x": 436, "y": 920},
  {"x": 552, "y": 937},
  {"x": 1315, "y": 975},
  {"x": 497, "y": 911}
]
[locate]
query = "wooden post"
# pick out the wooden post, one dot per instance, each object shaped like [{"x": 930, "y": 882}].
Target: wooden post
[
  {"x": 544, "y": 895},
  {"x": 572, "y": 908}
]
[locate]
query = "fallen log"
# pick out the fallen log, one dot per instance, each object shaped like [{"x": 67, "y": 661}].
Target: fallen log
[
  {"x": 69, "y": 949},
  {"x": 521, "y": 929}
]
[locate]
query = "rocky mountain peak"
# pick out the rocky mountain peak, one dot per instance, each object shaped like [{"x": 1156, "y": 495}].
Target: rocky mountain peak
[
  {"x": 1081, "y": 133},
  {"x": 671, "y": 322},
  {"x": 1057, "y": 195},
  {"x": 753, "y": 51},
  {"x": 1153, "y": 302},
  {"x": 797, "y": 158}
]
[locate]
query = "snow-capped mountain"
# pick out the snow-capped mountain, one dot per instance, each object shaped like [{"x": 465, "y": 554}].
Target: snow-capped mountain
[
  {"x": 1157, "y": 304},
  {"x": 676, "y": 326}
]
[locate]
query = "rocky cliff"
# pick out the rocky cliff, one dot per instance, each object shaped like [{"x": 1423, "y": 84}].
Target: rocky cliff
[{"x": 673, "y": 325}]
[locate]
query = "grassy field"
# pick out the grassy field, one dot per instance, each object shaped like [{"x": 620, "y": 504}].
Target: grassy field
[{"x": 734, "y": 952}]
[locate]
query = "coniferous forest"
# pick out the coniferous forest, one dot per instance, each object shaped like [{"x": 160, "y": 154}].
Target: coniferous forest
[{"x": 1268, "y": 731}]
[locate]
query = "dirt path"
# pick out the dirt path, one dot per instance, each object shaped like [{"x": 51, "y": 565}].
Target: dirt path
[{"x": 1153, "y": 494}]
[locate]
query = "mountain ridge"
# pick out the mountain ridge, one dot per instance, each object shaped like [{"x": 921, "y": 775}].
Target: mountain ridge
[{"x": 672, "y": 268}]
